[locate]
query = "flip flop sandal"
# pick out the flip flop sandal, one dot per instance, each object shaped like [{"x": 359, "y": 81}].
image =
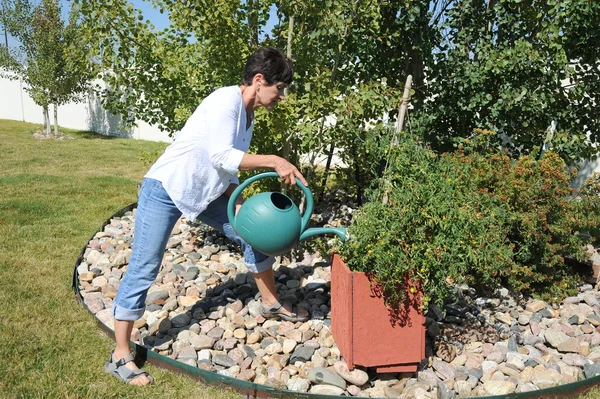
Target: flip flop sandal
[
  {"x": 276, "y": 311},
  {"x": 123, "y": 373}
]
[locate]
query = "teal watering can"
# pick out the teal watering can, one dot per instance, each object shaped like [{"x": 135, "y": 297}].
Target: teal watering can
[{"x": 270, "y": 222}]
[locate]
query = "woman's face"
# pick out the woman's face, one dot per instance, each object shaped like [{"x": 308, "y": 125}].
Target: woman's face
[{"x": 269, "y": 95}]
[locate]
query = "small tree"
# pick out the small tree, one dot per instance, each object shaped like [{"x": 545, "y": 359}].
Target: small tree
[
  {"x": 159, "y": 76},
  {"x": 515, "y": 67},
  {"x": 49, "y": 58}
]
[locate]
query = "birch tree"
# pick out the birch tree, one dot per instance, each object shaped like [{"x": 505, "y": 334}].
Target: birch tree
[{"x": 50, "y": 58}]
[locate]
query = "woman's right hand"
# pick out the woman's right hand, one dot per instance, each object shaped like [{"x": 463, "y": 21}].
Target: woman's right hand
[{"x": 287, "y": 171}]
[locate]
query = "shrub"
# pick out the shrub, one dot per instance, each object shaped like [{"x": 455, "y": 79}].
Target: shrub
[{"x": 478, "y": 218}]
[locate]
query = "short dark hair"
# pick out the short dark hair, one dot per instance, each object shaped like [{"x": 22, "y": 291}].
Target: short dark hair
[{"x": 272, "y": 63}]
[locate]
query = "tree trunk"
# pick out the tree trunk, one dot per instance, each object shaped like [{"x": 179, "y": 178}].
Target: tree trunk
[
  {"x": 416, "y": 63},
  {"x": 253, "y": 23},
  {"x": 356, "y": 166},
  {"x": 46, "y": 121},
  {"x": 327, "y": 168},
  {"x": 55, "y": 119},
  {"x": 286, "y": 143}
]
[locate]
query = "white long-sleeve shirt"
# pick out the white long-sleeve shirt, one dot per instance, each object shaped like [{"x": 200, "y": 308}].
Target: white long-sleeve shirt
[{"x": 205, "y": 157}]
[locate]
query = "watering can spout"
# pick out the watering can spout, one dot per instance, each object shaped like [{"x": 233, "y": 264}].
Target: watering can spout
[{"x": 341, "y": 232}]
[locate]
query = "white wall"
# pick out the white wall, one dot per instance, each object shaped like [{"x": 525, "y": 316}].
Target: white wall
[
  {"x": 586, "y": 170},
  {"x": 16, "y": 104}
]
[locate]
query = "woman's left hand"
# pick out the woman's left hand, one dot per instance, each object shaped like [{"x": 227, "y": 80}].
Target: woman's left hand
[{"x": 239, "y": 200}]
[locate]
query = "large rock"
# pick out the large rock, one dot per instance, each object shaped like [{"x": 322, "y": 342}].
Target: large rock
[
  {"x": 326, "y": 390},
  {"x": 356, "y": 377},
  {"x": 324, "y": 376}
]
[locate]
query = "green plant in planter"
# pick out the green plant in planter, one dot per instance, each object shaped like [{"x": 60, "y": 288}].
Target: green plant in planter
[
  {"x": 479, "y": 218},
  {"x": 433, "y": 229}
]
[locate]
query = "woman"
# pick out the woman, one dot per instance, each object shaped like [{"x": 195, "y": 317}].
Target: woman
[{"x": 194, "y": 178}]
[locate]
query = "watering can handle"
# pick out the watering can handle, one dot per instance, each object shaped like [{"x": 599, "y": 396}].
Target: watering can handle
[{"x": 236, "y": 193}]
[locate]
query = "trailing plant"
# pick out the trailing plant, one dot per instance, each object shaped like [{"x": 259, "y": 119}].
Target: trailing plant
[{"x": 474, "y": 217}]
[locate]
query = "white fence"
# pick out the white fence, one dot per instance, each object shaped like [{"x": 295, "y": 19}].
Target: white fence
[{"x": 16, "y": 104}]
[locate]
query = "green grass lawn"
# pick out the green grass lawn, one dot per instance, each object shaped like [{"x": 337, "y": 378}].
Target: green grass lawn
[{"x": 54, "y": 194}]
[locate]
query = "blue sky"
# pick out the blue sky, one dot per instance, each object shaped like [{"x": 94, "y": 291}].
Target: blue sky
[{"x": 160, "y": 21}]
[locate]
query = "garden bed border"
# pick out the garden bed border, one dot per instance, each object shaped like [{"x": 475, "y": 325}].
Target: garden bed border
[{"x": 252, "y": 390}]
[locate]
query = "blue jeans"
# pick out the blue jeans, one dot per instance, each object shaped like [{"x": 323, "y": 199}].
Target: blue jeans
[{"x": 155, "y": 218}]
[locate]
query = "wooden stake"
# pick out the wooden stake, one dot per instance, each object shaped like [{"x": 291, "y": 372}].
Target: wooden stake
[
  {"x": 286, "y": 142},
  {"x": 402, "y": 108},
  {"x": 399, "y": 125}
]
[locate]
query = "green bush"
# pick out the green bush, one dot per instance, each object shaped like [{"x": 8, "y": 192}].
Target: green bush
[{"x": 478, "y": 218}]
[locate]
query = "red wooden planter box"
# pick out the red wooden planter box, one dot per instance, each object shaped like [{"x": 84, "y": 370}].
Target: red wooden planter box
[{"x": 364, "y": 330}]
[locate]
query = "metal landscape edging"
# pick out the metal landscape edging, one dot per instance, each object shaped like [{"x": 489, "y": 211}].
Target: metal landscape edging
[{"x": 252, "y": 390}]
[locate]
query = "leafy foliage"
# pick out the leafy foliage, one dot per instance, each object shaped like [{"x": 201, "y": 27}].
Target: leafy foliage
[
  {"x": 472, "y": 217},
  {"x": 161, "y": 76},
  {"x": 515, "y": 67},
  {"x": 500, "y": 64}
]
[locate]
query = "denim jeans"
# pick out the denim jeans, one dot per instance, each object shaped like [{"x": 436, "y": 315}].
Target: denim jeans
[{"x": 155, "y": 218}]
